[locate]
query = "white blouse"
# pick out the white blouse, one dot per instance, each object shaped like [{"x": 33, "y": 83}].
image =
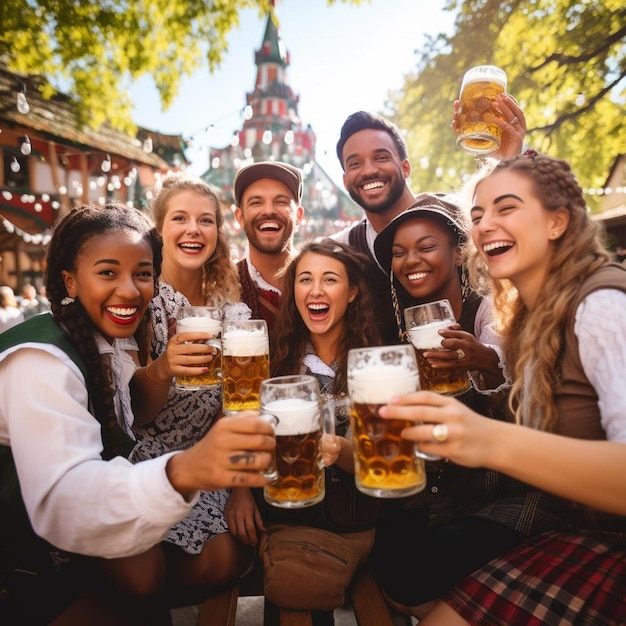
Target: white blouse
[
  {"x": 75, "y": 500},
  {"x": 600, "y": 326}
]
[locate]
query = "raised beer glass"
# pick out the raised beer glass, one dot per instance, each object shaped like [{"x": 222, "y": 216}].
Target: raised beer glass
[
  {"x": 478, "y": 134},
  {"x": 245, "y": 363},
  {"x": 385, "y": 464},
  {"x": 207, "y": 320},
  {"x": 295, "y": 403},
  {"x": 423, "y": 323}
]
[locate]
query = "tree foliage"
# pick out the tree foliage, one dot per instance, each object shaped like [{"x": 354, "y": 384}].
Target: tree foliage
[
  {"x": 566, "y": 66},
  {"x": 93, "y": 50}
]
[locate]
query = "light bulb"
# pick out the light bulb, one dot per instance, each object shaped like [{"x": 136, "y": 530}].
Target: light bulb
[
  {"x": 26, "y": 147},
  {"x": 289, "y": 137},
  {"x": 234, "y": 141},
  {"x": 147, "y": 145},
  {"x": 247, "y": 112},
  {"x": 15, "y": 165},
  {"x": 105, "y": 166},
  {"x": 22, "y": 104},
  {"x": 267, "y": 137}
]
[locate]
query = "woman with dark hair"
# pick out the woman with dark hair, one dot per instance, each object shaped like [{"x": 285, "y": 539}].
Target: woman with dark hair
[
  {"x": 67, "y": 489},
  {"x": 326, "y": 309},
  {"x": 323, "y": 330},
  {"x": 423, "y": 251}
]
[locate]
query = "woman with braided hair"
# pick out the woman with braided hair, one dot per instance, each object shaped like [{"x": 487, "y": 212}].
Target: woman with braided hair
[
  {"x": 67, "y": 489},
  {"x": 561, "y": 301}
]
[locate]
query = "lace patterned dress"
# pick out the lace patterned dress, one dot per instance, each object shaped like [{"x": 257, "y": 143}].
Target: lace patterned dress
[{"x": 184, "y": 420}]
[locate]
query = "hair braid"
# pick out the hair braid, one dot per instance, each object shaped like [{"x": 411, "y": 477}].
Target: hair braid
[{"x": 70, "y": 238}]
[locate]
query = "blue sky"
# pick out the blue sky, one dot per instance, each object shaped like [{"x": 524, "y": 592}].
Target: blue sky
[{"x": 343, "y": 58}]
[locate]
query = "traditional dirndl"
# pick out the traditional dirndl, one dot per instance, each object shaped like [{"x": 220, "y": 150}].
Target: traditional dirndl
[{"x": 551, "y": 579}]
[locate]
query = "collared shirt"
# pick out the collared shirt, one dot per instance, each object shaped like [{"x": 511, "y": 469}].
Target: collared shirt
[
  {"x": 123, "y": 369},
  {"x": 256, "y": 277}
]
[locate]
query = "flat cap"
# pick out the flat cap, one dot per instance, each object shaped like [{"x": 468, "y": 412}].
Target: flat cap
[{"x": 285, "y": 173}]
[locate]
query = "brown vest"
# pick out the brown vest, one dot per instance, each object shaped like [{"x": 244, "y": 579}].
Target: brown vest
[
  {"x": 529, "y": 510},
  {"x": 576, "y": 400}
]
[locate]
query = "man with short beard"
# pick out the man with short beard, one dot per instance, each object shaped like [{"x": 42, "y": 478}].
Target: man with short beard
[
  {"x": 376, "y": 168},
  {"x": 268, "y": 197},
  {"x": 374, "y": 158}
]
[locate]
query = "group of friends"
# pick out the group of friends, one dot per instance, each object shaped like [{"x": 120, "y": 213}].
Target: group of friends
[{"x": 123, "y": 496}]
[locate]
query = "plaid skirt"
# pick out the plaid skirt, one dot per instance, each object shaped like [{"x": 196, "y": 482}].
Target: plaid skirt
[{"x": 551, "y": 579}]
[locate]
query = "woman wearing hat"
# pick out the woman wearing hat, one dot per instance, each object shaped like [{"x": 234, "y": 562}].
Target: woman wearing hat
[
  {"x": 450, "y": 525},
  {"x": 422, "y": 252}
]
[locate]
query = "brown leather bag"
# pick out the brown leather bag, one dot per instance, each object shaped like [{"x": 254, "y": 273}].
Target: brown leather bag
[{"x": 309, "y": 568}]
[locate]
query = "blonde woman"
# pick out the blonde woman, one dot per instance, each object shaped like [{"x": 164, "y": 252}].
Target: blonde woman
[
  {"x": 562, "y": 302},
  {"x": 196, "y": 270}
]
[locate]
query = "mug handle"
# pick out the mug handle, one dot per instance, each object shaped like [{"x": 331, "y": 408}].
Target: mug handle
[
  {"x": 329, "y": 407},
  {"x": 270, "y": 472}
]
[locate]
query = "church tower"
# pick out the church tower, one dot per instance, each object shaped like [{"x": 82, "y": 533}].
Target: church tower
[{"x": 272, "y": 130}]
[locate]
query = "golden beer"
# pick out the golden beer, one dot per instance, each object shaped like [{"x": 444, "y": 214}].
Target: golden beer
[
  {"x": 450, "y": 382},
  {"x": 242, "y": 376},
  {"x": 245, "y": 363},
  {"x": 386, "y": 465},
  {"x": 213, "y": 376},
  {"x": 298, "y": 460},
  {"x": 384, "y": 461},
  {"x": 300, "y": 470},
  {"x": 297, "y": 470},
  {"x": 478, "y": 134}
]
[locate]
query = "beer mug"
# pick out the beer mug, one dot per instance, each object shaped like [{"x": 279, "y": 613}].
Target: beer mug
[
  {"x": 300, "y": 423},
  {"x": 385, "y": 464},
  {"x": 245, "y": 363},
  {"x": 478, "y": 134},
  {"x": 204, "y": 319},
  {"x": 423, "y": 323}
]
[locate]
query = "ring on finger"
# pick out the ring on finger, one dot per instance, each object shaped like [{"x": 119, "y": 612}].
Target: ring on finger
[
  {"x": 460, "y": 354},
  {"x": 440, "y": 433},
  {"x": 514, "y": 120}
]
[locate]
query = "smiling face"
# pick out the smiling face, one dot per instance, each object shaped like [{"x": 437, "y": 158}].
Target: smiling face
[
  {"x": 269, "y": 215},
  {"x": 189, "y": 230},
  {"x": 322, "y": 293},
  {"x": 114, "y": 282},
  {"x": 425, "y": 260},
  {"x": 513, "y": 232},
  {"x": 375, "y": 175}
]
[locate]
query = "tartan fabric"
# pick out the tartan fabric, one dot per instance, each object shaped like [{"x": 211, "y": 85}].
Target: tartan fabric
[{"x": 553, "y": 579}]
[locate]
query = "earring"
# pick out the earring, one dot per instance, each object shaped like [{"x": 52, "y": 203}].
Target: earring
[{"x": 67, "y": 300}]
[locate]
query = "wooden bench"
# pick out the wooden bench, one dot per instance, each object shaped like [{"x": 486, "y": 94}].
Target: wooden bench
[{"x": 368, "y": 604}]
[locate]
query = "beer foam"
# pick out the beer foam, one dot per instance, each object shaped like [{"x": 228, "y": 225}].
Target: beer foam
[
  {"x": 241, "y": 342},
  {"x": 199, "y": 324},
  {"x": 427, "y": 336},
  {"x": 379, "y": 383},
  {"x": 296, "y": 416}
]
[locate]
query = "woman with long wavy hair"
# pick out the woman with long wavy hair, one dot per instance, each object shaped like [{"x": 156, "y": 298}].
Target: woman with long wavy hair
[
  {"x": 196, "y": 270},
  {"x": 326, "y": 309},
  {"x": 562, "y": 304}
]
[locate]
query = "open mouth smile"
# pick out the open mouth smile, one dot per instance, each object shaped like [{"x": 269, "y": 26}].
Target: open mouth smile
[
  {"x": 122, "y": 314},
  {"x": 497, "y": 247},
  {"x": 191, "y": 246}
]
